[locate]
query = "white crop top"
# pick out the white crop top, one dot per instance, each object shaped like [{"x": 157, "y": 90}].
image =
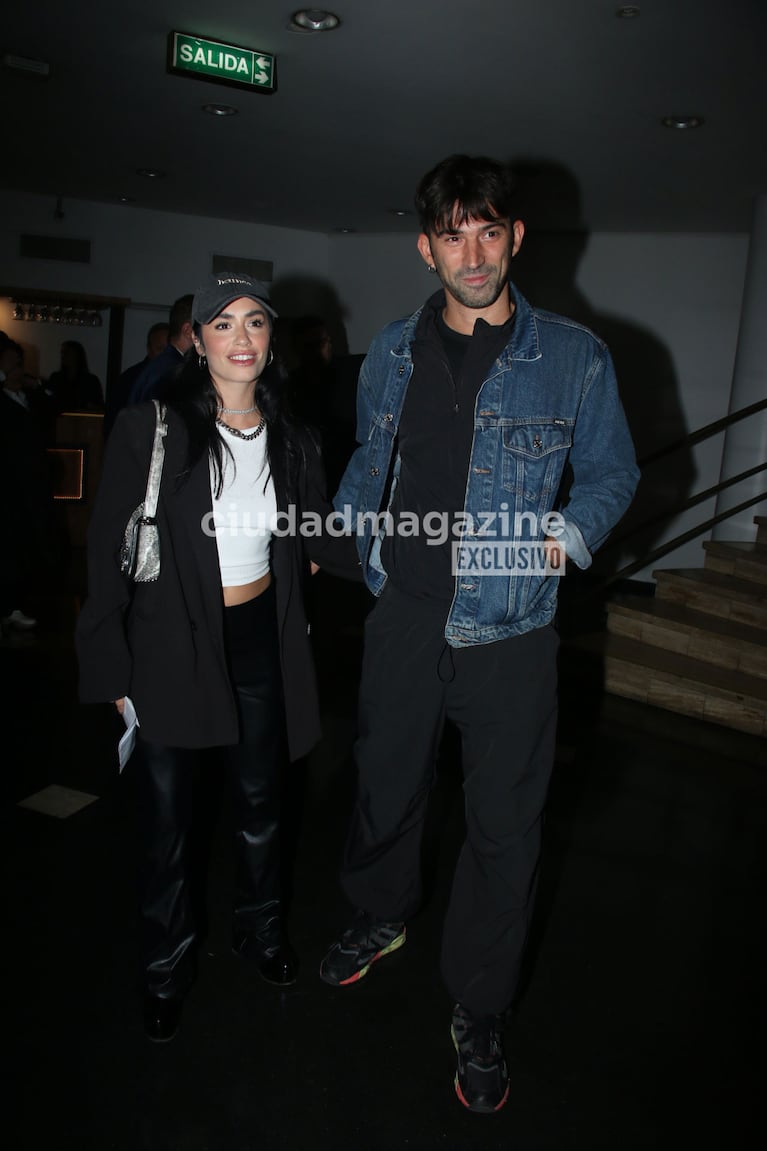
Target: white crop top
[{"x": 244, "y": 514}]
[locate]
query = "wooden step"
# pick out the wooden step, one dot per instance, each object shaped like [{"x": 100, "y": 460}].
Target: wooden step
[
  {"x": 674, "y": 627},
  {"x": 680, "y": 683},
  {"x": 714, "y": 593},
  {"x": 741, "y": 558}
]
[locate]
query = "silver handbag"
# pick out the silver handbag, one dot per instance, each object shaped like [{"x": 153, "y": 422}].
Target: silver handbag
[{"x": 140, "y": 551}]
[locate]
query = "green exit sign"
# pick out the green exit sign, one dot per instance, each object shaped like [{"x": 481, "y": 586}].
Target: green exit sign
[{"x": 222, "y": 63}]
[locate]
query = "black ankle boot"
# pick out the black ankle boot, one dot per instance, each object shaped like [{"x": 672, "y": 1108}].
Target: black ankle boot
[
  {"x": 270, "y": 953},
  {"x": 162, "y": 1016}
]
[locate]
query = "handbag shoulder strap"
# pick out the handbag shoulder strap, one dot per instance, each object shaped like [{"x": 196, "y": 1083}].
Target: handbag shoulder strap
[{"x": 155, "y": 465}]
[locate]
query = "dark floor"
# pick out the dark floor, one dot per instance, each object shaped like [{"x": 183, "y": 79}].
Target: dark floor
[{"x": 641, "y": 1019}]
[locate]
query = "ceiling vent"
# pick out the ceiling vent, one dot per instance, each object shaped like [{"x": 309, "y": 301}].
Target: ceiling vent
[
  {"x": 55, "y": 248},
  {"x": 257, "y": 269}
]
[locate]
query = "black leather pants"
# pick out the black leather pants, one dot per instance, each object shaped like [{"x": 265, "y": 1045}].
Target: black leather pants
[{"x": 168, "y": 778}]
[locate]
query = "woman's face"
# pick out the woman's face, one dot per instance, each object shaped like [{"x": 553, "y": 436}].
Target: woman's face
[
  {"x": 236, "y": 343},
  {"x": 13, "y": 366}
]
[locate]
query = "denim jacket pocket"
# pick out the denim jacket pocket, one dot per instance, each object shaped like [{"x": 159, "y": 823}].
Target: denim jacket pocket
[{"x": 534, "y": 455}]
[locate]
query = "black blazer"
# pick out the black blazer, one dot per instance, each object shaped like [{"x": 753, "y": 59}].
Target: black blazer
[{"x": 162, "y": 643}]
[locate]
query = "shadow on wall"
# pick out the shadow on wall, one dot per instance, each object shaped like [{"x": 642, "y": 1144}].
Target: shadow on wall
[
  {"x": 322, "y": 375},
  {"x": 546, "y": 271},
  {"x": 296, "y": 296}
]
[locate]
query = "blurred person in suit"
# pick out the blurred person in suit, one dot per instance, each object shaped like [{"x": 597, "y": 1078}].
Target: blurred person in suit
[
  {"x": 119, "y": 392},
  {"x": 165, "y": 367}
]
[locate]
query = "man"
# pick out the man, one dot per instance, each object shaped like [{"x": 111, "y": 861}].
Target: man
[
  {"x": 164, "y": 366},
  {"x": 29, "y": 520},
  {"x": 118, "y": 393},
  {"x": 468, "y": 413}
]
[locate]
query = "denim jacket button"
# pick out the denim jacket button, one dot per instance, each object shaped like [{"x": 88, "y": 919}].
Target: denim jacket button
[
  {"x": 374, "y": 471},
  {"x": 389, "y": 417}
]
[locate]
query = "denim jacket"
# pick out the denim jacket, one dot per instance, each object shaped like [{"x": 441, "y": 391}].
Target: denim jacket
[{"x": 550, "y": 401}]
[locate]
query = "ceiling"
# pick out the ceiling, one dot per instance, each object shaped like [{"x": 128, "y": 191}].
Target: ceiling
[{"x": 569, "y": 92}]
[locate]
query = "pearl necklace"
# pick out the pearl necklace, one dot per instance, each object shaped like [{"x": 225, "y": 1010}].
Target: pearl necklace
[
  {"x": 249, "y": 435},
  {"x": 238, "y": 411}
]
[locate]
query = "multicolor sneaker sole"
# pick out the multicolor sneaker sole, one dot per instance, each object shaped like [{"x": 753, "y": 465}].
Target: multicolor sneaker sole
[
  {"x": 482, "y": 1079},
  {"x": 344, "y": 965}
]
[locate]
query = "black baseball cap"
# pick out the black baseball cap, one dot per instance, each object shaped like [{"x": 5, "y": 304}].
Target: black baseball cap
[{"x": 221, "y": 289}]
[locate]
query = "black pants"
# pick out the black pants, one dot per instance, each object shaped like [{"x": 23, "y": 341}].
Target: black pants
[
  {"x": 166, "y": 785},
  {"x": 503, "y": 699}
]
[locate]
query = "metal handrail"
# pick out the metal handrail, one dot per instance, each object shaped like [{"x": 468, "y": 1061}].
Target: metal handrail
[
  {"x": 668, "y": 513},
  {"x": 684, "y": 537},
  {"x": 703, "y": 433}
]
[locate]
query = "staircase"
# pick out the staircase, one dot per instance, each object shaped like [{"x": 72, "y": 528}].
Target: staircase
[{"x": 699, "y": 646}]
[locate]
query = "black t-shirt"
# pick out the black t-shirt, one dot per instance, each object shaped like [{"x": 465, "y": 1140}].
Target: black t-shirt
[{"x": 435, "y": 437}]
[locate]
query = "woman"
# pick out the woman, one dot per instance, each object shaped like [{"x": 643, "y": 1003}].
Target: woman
[
  {"x": 74, "y": 387},
  {"x": 215, "y": 653}
]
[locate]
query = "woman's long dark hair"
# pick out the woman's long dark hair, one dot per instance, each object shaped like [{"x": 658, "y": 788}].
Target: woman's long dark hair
[{"x": 192, "y": 395}]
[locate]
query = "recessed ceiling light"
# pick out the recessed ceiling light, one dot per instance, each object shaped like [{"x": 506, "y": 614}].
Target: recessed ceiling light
[
  {"x": 682, "y": 122},
  {"x": 220, "y": 109},
  {"x": 400, "y": 212},
  {"x": 150, "y": 173},
  {"x": 344, "y": 231},
  {"x": 627, "y": 12},
  {"x": 314, "y": 20}
]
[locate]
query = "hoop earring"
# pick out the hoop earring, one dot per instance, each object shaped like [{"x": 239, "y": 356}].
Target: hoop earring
[
  {"x": 271, "y": 357},
  {"x": 202, "y": 362},
  {"x": 430, "y": 268}
]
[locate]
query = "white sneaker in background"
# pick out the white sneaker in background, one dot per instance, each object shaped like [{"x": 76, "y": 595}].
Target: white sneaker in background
[{"x": 18, "y": 619}]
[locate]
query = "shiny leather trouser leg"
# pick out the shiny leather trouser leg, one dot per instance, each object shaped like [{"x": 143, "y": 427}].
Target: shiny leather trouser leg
[
  {"x": 254, "y": 767},
  {"x": 167, "y": 777}
]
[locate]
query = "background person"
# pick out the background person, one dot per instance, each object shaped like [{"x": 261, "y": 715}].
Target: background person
[
  {"x": 29, "y": 558},
  {"x": 167, "y": 364},
  {"x": 215, "y": 653},
  {"x": 73, "y": 386},
  {"x": 119, "y": 392},
  {"x": 323, "y": 389},
  {"x": 476, "y": 404}
]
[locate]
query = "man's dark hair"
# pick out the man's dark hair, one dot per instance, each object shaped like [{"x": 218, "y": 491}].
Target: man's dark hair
[
  {"x": 460, "y": 187},
  {"x": 180, "y": 314}
]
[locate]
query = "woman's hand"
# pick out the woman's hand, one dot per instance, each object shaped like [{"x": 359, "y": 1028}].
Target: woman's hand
[{"x": 120, "y": 705}]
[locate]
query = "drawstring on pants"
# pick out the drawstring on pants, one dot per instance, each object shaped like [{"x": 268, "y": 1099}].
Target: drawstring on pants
[{"x": 445, "y": 665}]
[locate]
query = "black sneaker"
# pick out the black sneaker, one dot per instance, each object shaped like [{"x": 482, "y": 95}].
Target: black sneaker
[
  {"x": 482, "y": 1078},
  {"x": 361, "y": 945}
]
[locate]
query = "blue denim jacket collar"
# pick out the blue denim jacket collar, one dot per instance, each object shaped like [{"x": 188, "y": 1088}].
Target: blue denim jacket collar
[{"x": 524, "y": 344}]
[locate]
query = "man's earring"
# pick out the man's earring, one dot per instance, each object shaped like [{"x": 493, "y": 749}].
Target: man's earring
[{"x": 430, "y": 268}]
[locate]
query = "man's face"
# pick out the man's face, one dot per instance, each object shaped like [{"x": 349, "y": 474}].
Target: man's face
[
  {"x": 472, "y": 259},
  {"x": 157, "y": 342}
]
